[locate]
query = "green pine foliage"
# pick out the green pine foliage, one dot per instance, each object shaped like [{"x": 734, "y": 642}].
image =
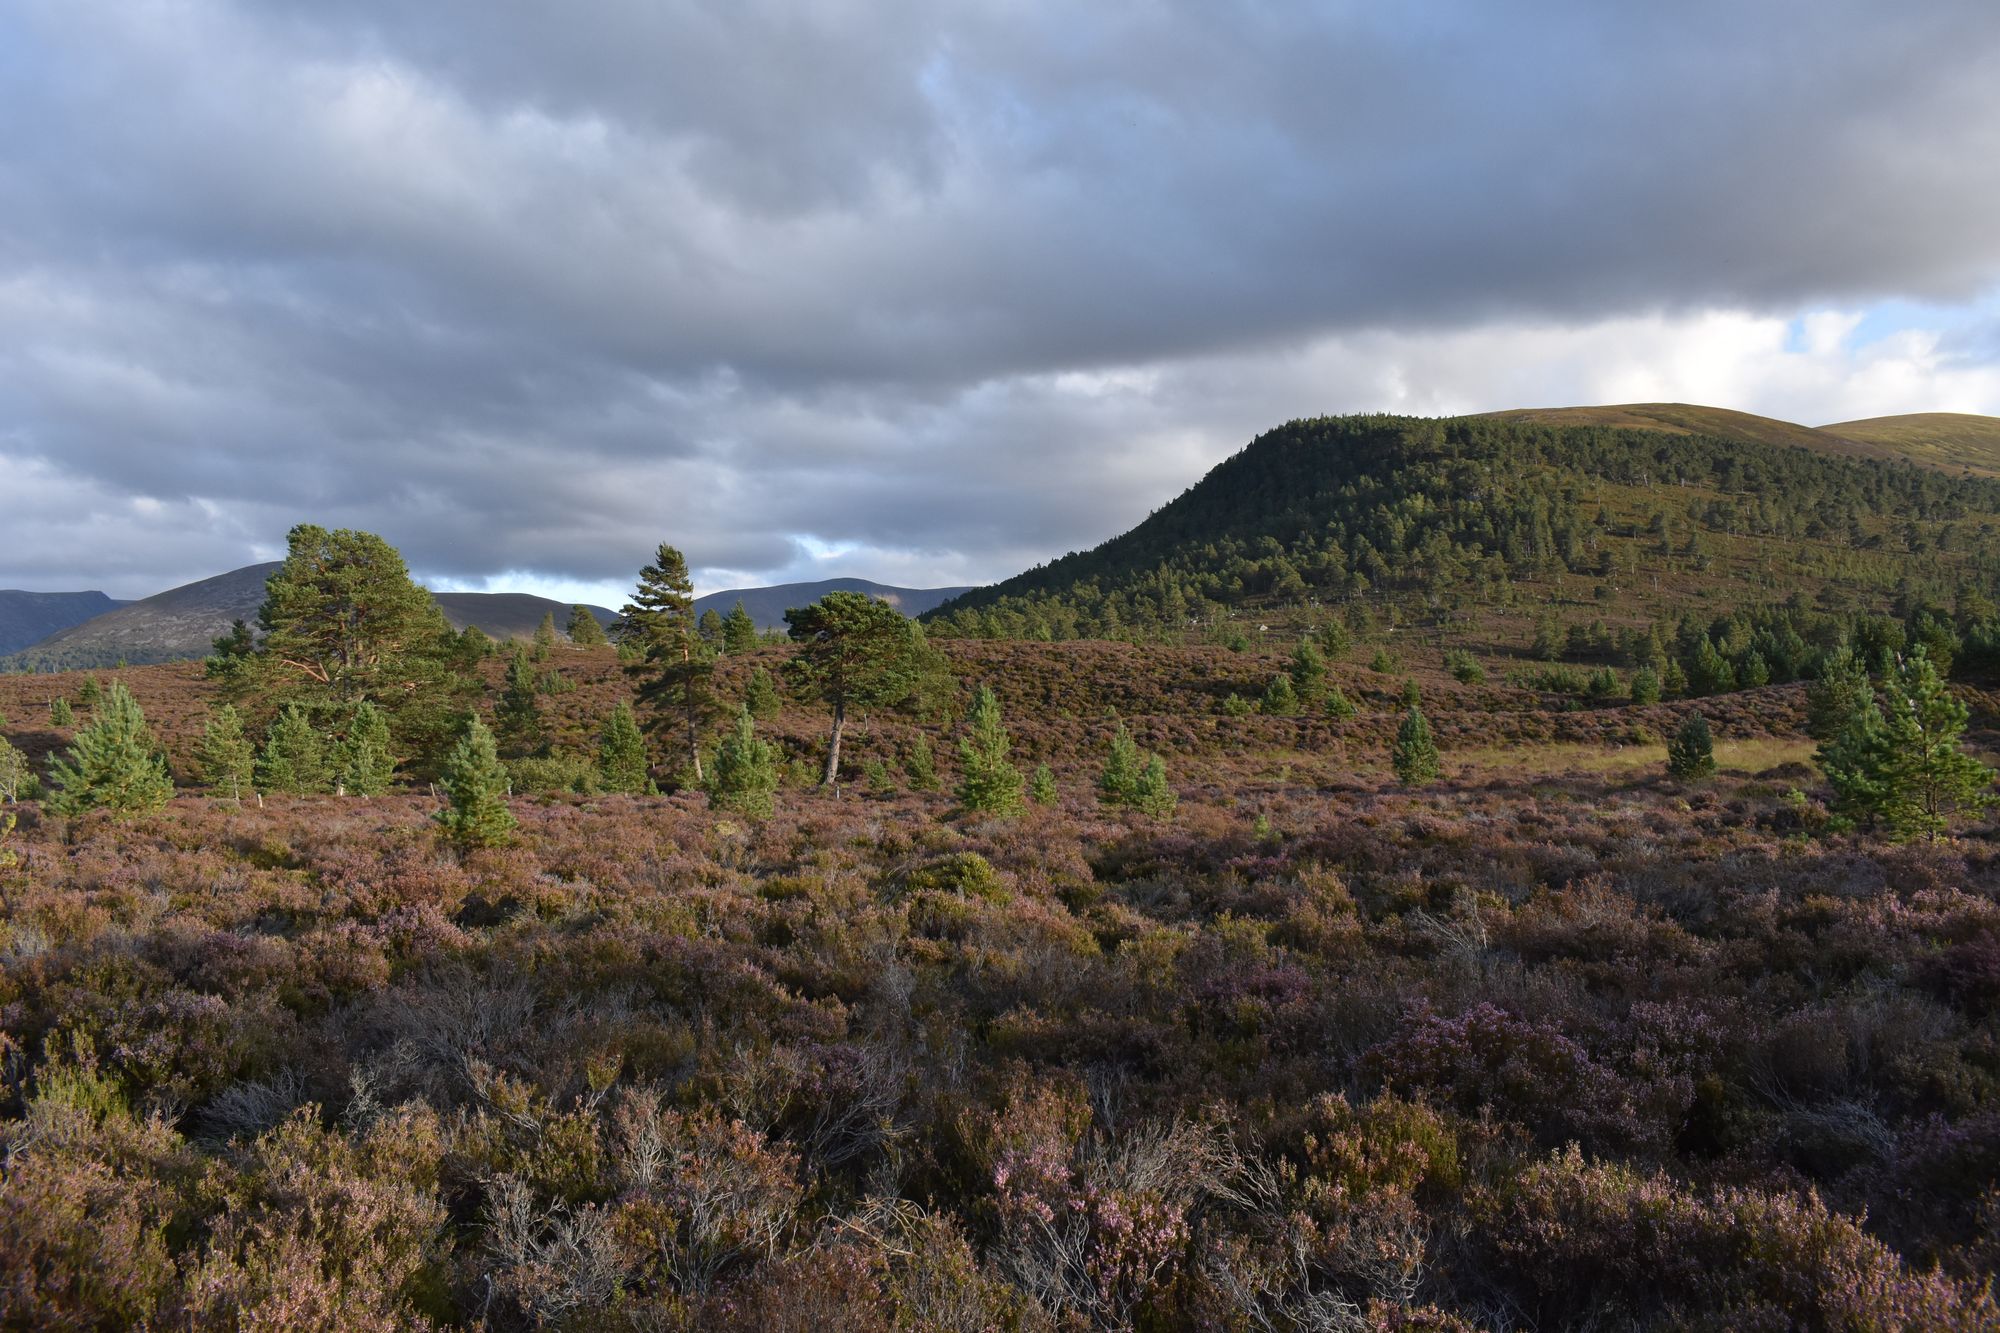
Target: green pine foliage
[
  {"x": 545, "y": 637},
  {"x": 1902, "y": 761},
  {"x": 739, "y": 631},
  {"x": 343, "y": 621},
  {"x": 293, "y": 760},
  {"x": 225, "y": 757},
  {"x": 1464, "y": 667},
  {"x": 14, "y": 772},
  {"x": 1154, "y": 795},
  {"x": 60, "y": 713},
  {"x": 855, "y": 652},
  {"x": 1308, "y": 674},
  {"x": 920, "y": 765},
  {"x": 987, "y": 783},
  {"x": 760, "y": 696},
  {"x": 1415, "y": 754},
  {"x": 1042, "y": 786},
  {"x": 90, "y": 693},
  {"x": 475, "y": 782},
  {"x": 584, "y": 629},
  {"x": 1839, "y": 694},
  {"x": 1412, "y": 696},
  {"x": 1280, "y": 699},
  {"x": 673, "y": 665},
  {"x": 1645, "y": 686},
  {"x": 363, "y": 763},
  {"x": 745, "y": 780},
  {"x": 517, "y": 718},
  {"x": 1691, "y": 750},
  {"x": 621, "y": 752},
  {"x": 1133, "y": 779},
  {"x": 709, "y": 627},
  {"x": 1338, "y": 706},
  {"x": 113, "y": 762}
]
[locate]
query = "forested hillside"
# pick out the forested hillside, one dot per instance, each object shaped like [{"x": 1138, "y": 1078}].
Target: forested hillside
[{"x": 1479, "y": 525}]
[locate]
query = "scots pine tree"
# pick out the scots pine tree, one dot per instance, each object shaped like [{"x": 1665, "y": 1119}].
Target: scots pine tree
[
  {"x": 343, "y": 621},
  {"x": 746, "y": 771},
  {"x": 113, "y": 762},
  {"x": 739, "y": 631},
  {"x": 987, "y": 783},
  {"x": 1415, "y": 755},
  {"x": 760, "y": 696},
  {"x": 1691, "y": 751},
  {"x": 920, "y": 765},
  {"x": 13, "y": 772},
  {"x": 545, "y": 637},
  {"x": 293, "y": 759},
  {"x": 1280, "y": 699},
  {"x": 621, "y": 753},
  {"x": 584, "y": 631},
  {"x": 60, "y": 713},
  {"x": 1308, "y": 674},
  {"x": 853, "y": 652},
  {"x": 476, "y": 783},
  {"x": 1840, "y": 693},
  {"x": 363, "y": 764},
  {"x": 1905, "y": 763},
  {"x": 1042, "y": 786},
  {"x": 517, "y": 718},
  {"x": 673, "y": 665},
  {"x": 1153, "y": 795},
  {"x": 225, "y": 755},
  {"x": 1123, "y": 768}
]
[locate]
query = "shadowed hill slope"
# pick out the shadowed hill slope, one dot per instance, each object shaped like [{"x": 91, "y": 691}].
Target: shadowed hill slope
[
  {"x": 767, "y": 606},
  {"x": 29, "y": 617}
]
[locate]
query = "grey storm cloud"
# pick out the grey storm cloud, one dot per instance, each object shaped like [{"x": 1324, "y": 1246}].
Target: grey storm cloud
[{"x": 531, "y": 286}]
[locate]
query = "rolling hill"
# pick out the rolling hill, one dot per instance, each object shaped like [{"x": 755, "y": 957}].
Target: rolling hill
[
  {"x": 1937, "y": 439},
  {"x": 1953, "y": 441},
  {"x": 767, "y": 606},
  {"x": 1486, "y": 523},
  {"x": 183, "y": 622},
  {"x": 29, "y": 617}
]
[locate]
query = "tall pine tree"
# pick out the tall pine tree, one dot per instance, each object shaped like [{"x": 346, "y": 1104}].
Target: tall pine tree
[
  {"x": 673, "y": 666},
  {"x": 853, "y": 652}
]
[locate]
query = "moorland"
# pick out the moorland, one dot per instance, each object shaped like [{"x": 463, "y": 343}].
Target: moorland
[{"x": 1432, "y": 875}]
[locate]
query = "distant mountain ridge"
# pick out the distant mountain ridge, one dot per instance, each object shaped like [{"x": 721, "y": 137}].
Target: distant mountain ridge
[
  {"x": 26, "y": 618},
  {"x": 767, "y": 606},
  {"x": 183, "y": 622}
]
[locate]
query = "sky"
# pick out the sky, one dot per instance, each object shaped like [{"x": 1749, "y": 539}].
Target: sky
[{"x": 921, "y": 292}]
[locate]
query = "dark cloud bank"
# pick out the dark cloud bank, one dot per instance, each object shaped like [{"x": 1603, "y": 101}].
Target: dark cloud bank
[{"x": 531, "y": 287}]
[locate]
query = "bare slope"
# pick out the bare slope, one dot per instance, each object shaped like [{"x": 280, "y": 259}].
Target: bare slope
[{"x": 1939, "y": 439}]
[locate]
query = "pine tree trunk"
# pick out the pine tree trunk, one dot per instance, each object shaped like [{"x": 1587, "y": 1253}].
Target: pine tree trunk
[{"x": 833, "y": 746}]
